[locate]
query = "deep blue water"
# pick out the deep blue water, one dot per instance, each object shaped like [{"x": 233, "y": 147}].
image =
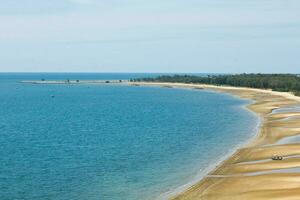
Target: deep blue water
[{"x": 110, "y": 142}]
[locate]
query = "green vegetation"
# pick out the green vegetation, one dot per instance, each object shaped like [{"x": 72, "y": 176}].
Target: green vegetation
[{"x": 276, "y": 82}]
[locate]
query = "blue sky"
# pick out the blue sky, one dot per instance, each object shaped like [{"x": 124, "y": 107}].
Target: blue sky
[{"x": 150, "y": 36}]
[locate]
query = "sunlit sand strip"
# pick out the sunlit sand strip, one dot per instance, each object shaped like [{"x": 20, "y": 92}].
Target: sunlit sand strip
[
  {"x": 265, "y": 160},
  {"x": 264, "y": 186}
]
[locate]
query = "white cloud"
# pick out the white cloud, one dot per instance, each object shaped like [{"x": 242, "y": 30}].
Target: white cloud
[{"x": 111, "y": 24}]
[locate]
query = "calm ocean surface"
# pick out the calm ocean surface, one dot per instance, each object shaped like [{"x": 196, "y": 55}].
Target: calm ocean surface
[{"x": 110, "y": 142}]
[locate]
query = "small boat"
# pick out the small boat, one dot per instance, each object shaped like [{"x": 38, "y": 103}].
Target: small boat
[{"x": 276, "y": 157}]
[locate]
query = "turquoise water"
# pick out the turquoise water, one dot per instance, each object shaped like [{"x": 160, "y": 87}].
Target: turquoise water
[{"x": 110, "y": 142}]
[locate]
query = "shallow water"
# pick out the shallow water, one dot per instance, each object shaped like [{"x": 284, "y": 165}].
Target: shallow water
[
  {"x": 289, "y": 140},
  {"x": 294, "y": 108},
  {"x": 274, "y": 171},
  {"x": 110, "y": 142}
]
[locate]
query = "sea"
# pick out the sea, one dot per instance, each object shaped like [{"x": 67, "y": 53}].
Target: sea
[{"x": 111, "y": 141}]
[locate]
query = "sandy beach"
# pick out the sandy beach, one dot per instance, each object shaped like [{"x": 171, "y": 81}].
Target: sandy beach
[{"x": 250, "y": 173}]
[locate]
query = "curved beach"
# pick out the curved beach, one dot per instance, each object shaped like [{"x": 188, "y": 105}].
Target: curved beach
[{"x": 250, "y": 173}]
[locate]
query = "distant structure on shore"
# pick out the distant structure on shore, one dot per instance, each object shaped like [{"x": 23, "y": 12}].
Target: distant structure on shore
[{"x": 68, "y": 81}]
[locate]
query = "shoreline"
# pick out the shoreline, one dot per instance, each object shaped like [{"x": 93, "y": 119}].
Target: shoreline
[
  {"x": 173, "y": 193},
  {"x": 249, "y": 172}
]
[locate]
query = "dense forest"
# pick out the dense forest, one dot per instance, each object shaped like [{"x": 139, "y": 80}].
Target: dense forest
[{"x": 276, "y": 82}]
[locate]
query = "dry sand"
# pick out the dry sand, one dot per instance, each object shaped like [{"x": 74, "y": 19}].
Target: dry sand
[{"x": 250, "y": 173}]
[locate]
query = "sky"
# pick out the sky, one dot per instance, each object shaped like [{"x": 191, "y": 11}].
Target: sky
[{"x": 203, "y": 36}]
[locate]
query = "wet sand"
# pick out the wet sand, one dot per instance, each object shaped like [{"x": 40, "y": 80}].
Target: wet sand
[{"x": 250, "y": 173}]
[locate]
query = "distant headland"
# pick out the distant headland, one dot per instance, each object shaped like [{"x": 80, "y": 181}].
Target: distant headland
[{"x": 275, "y": 82}]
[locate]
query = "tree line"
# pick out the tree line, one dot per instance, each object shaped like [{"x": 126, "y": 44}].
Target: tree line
[{"x": 276, "y": 82}]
